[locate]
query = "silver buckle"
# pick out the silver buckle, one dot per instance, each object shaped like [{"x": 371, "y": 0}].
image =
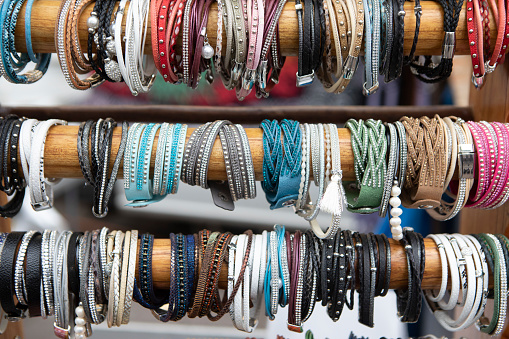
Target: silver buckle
[
  {"x": 305, "y": 80},
  {"x": 249, "y": 79},
  {"x": 350, "y": 67},
  {"x": 371, "y": 90},
  {"x": 478, "y": 81},
  {"x": 262, "y": 74},
  {"x": 466, "y": 161},
  {"x": 43, "y": 205}
]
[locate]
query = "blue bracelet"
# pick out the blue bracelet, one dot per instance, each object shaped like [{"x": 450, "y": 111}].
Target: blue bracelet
[
  {"x": 289, "y": 178},
  {"x": 272, "y": 156},
  {"x": 283, "y": 292},
  {"x": 267, "y": 282},
  {"x": 190, "y": 267},
  {"x": 142, "y": 194},
  {"x": 13, "y": 63}
]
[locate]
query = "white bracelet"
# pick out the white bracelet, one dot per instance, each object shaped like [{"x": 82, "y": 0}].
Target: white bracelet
[
  {"x": 25, "y": 144},
  {"x": 485, "y": 276},
  {"x": 463, "y": 319},
  {"x": 445, "y": 269},
  {"x": 479, "y": 283},
  {"x": 460, "y": 265},
  {"x": 41, "y": 194},
  {"x": 454, "y": 274},
  {"x": 334, "y": 198}
]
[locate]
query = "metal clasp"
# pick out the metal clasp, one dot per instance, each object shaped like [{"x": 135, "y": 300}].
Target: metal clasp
[
  {"x": 262, "y": 74},
  {"x": 371, "y": 90},
  {"x": 350, "y": 67},
  {"x": 478, "y": 81},
  {"x": 305, "y": 80},
  {"x": 237, "y": 71},
  {"x": 449, "y": 45},
  {"x": 43, "y": 205},
  {"x": 466, "y": 161},
  {"x": 249, "y": 79}
]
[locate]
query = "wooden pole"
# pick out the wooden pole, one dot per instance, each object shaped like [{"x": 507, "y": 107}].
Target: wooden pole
[
  {"x": 431, "y": 32},
  {"x": 61, "y": 155},
  {"x": 399, "y": 275}
]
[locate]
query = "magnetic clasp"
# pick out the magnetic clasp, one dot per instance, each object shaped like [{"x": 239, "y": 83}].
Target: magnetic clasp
[{"x": 305, "y": 80}]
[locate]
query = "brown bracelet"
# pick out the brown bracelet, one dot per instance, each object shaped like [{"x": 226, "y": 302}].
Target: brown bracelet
[
  {"x": 204, "y": 256},
  {"x": 225, "y": 306},
  {"x": 427, "y": 165},
  {"x": 211, "y": 296}
]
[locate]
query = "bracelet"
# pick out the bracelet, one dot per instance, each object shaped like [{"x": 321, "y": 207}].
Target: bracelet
[
  {"x": 365, "y": 195},
  {"x": 41, "y": 193}
]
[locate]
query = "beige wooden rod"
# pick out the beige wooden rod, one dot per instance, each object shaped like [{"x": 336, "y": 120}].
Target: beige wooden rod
[
  {"x": 61, "y": 155},
  {"x": 399, "y": 275},
  {"x": 431, "y": 33}
]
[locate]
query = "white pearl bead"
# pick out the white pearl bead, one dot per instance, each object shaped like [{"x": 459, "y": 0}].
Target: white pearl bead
[
  {"x": 93, "y": 22},
  {"x": 395, "y": 191},
  {"x": 79, "y": 329},
  {"x": 79, "y": 336},
  {"x": 207, "y": 51},
  {"x": 397, "y": 237},
  {"x": 395, "y": 221},
  {"x": 279, "y": 283},
  {"x": 80, "y": 312},
  {"x": 395, "y": 201},
  {"x": 398, "y": 230},
  {"x": 80, "y": 321},
  {"x": 396, "y": 212}
]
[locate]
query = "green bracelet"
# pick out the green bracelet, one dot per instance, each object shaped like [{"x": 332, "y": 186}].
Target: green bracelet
[
  {"x": 492, "y": 246},
  {"x": 369, "y": 145}
]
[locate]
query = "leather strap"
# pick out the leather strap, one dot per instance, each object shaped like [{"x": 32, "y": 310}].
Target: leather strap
[
  {"x": 427, "y": 167},
  {"x": 8, "y": 256},
  {"x": 33, "y": 271}
]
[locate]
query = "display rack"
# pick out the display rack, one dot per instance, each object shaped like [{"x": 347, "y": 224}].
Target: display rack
[{"x": 491, "y": 104}]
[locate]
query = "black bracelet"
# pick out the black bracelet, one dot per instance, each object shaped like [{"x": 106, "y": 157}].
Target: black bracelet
[
  {"x": 33, "y": 275},
  {"x": 339, "y": 293},
  {"x": 368, "y": 279},
  {"x": 418, "y": 14},
  {"x": 305, "y": 19},
  {"x": 429, "y": 72},
  {"x": 313, "y": 247},
  {"x": 327, "y": 253},
  {"x": 379, "y": 243},
  {"x": 350, "y": 278},
  {"x": 14, "y": 183},
  {"x": 396, "y": 60},
  {"x": 72, "y": 264},
  {"x": 409, "y": 301},
  {"x": 388, "y": 266},
  {"x": 9, "y": 253}
]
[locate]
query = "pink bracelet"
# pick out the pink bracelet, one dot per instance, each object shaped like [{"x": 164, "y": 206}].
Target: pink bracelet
[
  {"x": 505, "y": 193},
  {"x": 257, "y": 25},
  {"x": 481, "y": 147},
  {"x": 500, "y": 181},
  {"x": 497, "y": 163}
]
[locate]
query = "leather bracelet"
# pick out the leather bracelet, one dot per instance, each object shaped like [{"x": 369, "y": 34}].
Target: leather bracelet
[
  {"x": 33, "y": 276},
  {"x": 365, "y": 195},
  {"x": 72, "y": 263},
  {"x": 428, "y": 139}
]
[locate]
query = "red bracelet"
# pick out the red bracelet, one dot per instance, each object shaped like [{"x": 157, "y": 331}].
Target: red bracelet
[{"x": 154, "y": 6}]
